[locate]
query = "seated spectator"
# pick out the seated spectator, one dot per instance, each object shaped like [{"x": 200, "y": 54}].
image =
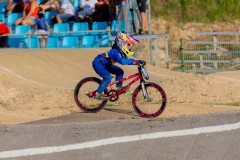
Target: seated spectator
[
  {"x": 102, "y": 12},
  {"x": 42, "y": 27},
  {"x": 15, "y": 6},
  {"x": 4, "y": 30},
  {"x": 47, "y": 5},
  {"x": 86, "y": 9},
  {"x": 30, "y": 13},
  {"x": 66, "y": 11}
]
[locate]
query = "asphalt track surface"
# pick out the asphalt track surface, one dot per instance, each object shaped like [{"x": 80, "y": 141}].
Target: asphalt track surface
[{"x": 208, "y": 137}]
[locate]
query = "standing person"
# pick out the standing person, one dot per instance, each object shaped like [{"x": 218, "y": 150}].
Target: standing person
[
  {"x": 42, "y": 27},
  {"x": 142, "y": 9},
  {"x": 4, "y": 30},
  {"x": 30, "y": 13},
  {"x": 121, "y": 53},
  {"x": 121, "y": 9}
]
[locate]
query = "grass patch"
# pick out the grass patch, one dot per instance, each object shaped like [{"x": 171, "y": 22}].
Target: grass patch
[
  {"x": 226, "y": 104},
  {"x": 203, "y": 11},
  {"x": 234, "y": 104}
]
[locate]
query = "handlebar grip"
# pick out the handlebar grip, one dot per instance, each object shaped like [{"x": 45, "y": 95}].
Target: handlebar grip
[{"x": 142, "y": 63}]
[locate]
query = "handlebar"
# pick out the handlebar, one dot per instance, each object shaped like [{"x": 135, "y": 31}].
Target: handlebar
[{"x": 143, "y": 63}]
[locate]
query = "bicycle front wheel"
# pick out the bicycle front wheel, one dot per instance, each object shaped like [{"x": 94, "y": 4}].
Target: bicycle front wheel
[
  {"x": 152, "y": 106},
  {"x": 84, "y": 92}
]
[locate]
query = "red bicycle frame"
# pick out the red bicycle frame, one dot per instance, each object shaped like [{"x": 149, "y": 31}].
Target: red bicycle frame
[{"x": 137, "y": 75}]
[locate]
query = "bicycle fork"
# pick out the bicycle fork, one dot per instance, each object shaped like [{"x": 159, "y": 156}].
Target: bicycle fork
[{"x": 145, "y": 94}]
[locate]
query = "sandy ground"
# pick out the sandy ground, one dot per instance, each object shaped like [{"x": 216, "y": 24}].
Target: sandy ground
[{"x": 39, "y": 84}]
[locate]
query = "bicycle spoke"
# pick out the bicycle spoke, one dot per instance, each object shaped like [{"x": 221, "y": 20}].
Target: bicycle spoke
[
  {"x": 84, "y": 92},
  {"x": 153, "y": 106}
]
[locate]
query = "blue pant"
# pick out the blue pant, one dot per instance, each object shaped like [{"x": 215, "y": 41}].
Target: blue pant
[{"x": 104, "y": 71}]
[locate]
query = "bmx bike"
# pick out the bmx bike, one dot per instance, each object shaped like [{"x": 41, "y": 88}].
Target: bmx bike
[{"x": 148, "y": 99}]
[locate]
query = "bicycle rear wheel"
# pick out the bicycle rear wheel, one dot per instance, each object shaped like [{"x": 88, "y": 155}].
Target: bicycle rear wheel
[
  {"x": 84, "y": 92},
  {"x": 153, "y": 106}
]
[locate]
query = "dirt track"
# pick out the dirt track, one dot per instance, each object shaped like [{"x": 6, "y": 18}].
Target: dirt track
[{"x": 38, "y": 84}]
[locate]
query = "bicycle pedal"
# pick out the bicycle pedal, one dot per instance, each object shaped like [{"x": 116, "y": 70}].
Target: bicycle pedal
[{"x": 100, "y": 97}]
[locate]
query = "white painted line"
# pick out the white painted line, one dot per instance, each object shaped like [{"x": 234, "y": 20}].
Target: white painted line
[
  {"x": 19, "y": 76},
  {"x": 27, "y": 79},
  {"x": 15, "y": 74},
  {"x": 115, "y": 140}
]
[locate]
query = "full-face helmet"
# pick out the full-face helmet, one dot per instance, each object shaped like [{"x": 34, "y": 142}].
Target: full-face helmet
[{"x": 124, "y": 41}]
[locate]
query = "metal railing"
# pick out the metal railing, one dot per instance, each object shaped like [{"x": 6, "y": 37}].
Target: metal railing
[{"x": 211, "y": 52}]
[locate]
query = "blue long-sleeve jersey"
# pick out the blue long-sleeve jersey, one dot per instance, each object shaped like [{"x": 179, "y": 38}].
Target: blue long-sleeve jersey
[{"x": 114, "y": 55}]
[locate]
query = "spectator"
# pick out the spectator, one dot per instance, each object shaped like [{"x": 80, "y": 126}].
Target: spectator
[
  {"x": 102, "y": 12},
  {"x": 47, "y": 5},
  {"x": 30, "y": 13},
  {"x": 121, "y": 8},
  {"x": 42, "y": 27},
  {"x": 142, "y": 9},
  {"x": 4, "y": 31},
  {"x": 66, "y": 11},
  {"x": 86, "y": 9},
  {"x": 113, "y": 4},
  {"x": 15, "y": 6}
]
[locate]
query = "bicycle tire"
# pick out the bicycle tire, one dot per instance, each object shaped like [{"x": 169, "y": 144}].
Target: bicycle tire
[
  {"x": 81, "y": 95},
  {"x": 142, "y": 107}
]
